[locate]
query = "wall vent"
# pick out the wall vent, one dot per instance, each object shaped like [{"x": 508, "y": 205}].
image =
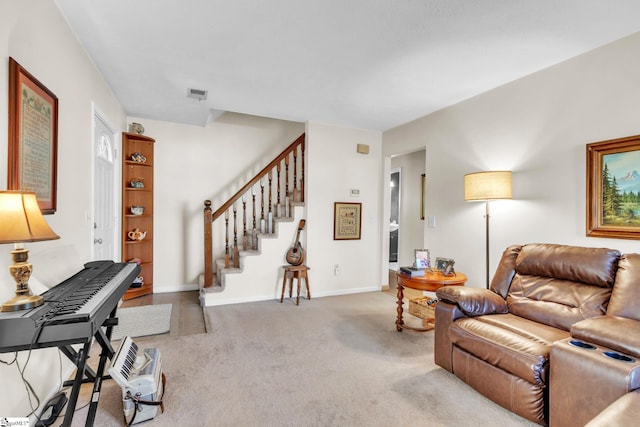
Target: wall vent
[{"x": 198, "y": 94}]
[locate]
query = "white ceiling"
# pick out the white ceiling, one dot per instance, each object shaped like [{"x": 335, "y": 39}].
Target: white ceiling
[{"x": 372, "y": 64}]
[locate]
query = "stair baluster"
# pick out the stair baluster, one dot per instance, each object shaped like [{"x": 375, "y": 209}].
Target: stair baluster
[
  {"x": 270, "y": 214},
  {"x": 278, "y": 213},
  {"x": 286, "y": 176},
  {"x": 254, "y": 243},
  {"x": 296, "y": 195},
  {"x": 236, "y": 253},
  {"x": 244, "y": 223},
  {"x": 262, "y": 222},
  {"x": 226, "y": 239}
]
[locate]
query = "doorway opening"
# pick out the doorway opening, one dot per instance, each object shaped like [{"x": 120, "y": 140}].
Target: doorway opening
[{"x": 394, "y": 217}]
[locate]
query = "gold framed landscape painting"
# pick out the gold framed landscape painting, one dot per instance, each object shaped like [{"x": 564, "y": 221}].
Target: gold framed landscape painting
[
  {"x": 613, "y": 188},
  {"x": 33, "y": 137},
  {"x": 347, "y": 219}
]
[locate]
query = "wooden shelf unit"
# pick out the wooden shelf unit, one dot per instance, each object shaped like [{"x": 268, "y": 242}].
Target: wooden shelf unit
[{"x": 132, "y": 196}]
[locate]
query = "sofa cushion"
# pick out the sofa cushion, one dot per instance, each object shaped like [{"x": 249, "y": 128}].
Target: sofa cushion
[
  {"x": 515, "y": 345},
  {"x": 560, "y": 285},
  {"x": 591, "y": 266},
  {"x": 623, "y": 412},
  {"x": 625, "y": 297},
  {"x": 507, "y": 390},
  {"x": 506, "y": 270},
  {"x": 555, "y": 302}
]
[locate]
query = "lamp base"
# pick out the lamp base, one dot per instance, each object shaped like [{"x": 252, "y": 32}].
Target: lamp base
[
  {"x": 22, "y": 302},
  {"x": 21, "y": 272}
]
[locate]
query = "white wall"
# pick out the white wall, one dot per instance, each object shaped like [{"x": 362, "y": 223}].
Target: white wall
[
  {"x": 411, "y": 231},
  {"x": 537, "y": 127},
  {"x": 193, "y": 163},
  {"x": 334, "y": 168},
  {"x": 34, "y": 33}
]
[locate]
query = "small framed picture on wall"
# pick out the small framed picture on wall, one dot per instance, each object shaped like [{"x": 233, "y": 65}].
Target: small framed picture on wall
[{"x": 347, "y": 221}]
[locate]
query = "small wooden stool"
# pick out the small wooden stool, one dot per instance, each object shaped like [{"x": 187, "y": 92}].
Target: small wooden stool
[{"x": 295, "y": 272}]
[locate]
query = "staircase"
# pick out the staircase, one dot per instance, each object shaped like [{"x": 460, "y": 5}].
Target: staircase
[{"x": 253, "y": 230}]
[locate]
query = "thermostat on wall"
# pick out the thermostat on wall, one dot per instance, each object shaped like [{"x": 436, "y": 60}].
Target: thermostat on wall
[{"x": 355, "y": 192}]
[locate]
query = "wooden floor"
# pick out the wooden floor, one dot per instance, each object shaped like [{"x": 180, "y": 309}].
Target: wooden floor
[{"x": 187, "y": 317}]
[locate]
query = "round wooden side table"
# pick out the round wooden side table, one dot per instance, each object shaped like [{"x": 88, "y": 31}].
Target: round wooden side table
[{"x": 431, "y": 281}]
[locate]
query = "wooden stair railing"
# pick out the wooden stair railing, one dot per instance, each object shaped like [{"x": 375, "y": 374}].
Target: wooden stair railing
[{"x": 249, "y": 237}]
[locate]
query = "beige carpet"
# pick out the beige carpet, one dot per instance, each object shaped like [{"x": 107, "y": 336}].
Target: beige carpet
[{"x": 335, "y": 361}]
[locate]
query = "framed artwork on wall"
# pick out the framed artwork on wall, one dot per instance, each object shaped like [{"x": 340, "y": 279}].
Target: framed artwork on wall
[
  {"x": 613, "y": 188},
  {"x": 347, "y": 219},
  {"x": 33, "y": 137}
]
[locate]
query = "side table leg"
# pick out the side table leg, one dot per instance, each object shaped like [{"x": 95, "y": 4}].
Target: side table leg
[
  {"x": 284, "y": 285},
  {"x": 291, "y": 277},
  {"x": 298, "y": 296},
  {"x": 306, "y": 280},
  {"x": 399, "y": 321}
]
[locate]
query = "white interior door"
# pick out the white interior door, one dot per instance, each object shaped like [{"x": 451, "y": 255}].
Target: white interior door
[{"x": 104, "y": 209}]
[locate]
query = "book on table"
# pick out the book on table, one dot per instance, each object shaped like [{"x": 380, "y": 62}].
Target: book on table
[{"x": 412, "y": 271}]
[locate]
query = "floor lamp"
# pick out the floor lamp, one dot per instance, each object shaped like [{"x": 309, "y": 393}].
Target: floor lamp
[{"x": 487, "y": 186}]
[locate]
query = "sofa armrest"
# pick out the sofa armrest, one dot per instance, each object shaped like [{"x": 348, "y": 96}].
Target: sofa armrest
[
  {"x": 617, "y": 333},
  {"x": 446, "y": 314},
  {"x": 473, "y": 301}
]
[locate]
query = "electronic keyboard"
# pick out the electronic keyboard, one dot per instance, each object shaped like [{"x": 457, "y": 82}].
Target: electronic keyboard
[{"x": 72, "y": 311}]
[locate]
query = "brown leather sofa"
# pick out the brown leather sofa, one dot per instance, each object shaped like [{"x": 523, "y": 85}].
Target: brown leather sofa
[{"x": 557, "y": 337}]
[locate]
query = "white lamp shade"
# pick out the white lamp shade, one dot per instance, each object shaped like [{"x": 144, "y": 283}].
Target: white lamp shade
[
  {"x": 487, "y": 185},
  {"x": 21, "y": 219}
]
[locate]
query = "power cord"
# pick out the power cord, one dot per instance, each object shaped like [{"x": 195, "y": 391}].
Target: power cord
[
  {"x": 31, "y": 393},
  {"x": 27, "y": 385}
]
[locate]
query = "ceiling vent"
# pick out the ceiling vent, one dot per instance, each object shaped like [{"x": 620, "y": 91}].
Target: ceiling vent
[{"x": 198, "y": 94}]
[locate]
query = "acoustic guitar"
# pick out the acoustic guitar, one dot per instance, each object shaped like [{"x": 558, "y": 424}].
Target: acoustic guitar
[{"x": 295, "y": 254}]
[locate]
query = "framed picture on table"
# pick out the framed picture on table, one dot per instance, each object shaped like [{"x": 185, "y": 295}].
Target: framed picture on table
[
  {"x": 422, "y": 258},
  {"x": 33, "y": 137},
  {"x": 445, "y": 266}
]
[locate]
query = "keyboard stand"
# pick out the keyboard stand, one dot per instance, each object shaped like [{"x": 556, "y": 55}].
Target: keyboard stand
[
  {"x": 84, "y": 373},
  {"x": 74, "y": 322}
]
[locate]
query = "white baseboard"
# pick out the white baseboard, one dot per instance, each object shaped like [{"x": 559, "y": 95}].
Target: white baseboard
[
  {"x": 177, "y": 288},
  {"x": 216, "y": 299}
]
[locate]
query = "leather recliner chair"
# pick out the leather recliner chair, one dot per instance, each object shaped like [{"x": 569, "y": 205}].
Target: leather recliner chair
[{"x": 499, "y": 340}]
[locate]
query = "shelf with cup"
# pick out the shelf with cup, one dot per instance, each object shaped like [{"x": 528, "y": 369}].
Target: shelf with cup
[{"x": 137, "y": 209}]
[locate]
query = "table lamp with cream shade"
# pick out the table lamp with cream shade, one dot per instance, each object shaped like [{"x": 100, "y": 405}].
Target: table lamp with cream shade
[
  {"x": 21, "y": 221},
  {"x": 487, "y": 186}
]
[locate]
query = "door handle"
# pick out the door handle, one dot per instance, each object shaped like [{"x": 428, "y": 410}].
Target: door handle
[{"x": 98, "y": 241}]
